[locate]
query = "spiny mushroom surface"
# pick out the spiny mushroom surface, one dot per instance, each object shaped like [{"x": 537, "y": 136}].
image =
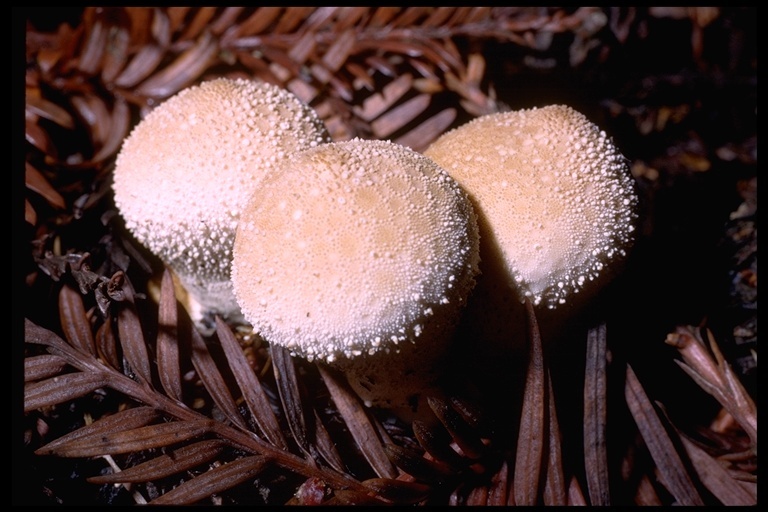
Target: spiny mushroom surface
[
  {"x": 184, "y": 172},
  {"x": 554, "y": 196},
  {"x": 360, "y": 254}
]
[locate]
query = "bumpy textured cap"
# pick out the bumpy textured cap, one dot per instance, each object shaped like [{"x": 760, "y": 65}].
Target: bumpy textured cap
[
  {"x": 185, "y": 171},
  {"x": 554, "y": 196},
  {"x": 351, "y": 248}
]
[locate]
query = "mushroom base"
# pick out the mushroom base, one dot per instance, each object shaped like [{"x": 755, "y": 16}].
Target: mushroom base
[
  {"x": 401, "y": 380},
  {"x": 205, "y": 301},
  {"x": 495, "y": 330}
]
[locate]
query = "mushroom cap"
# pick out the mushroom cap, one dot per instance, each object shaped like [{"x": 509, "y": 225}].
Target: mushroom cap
[
  {"x": 554, "y": 197},
  {"x": 184, "y": 172},
  {"x": 354, "y": 248}
]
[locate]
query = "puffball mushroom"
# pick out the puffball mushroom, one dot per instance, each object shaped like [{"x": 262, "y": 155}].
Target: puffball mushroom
[
  {"x": 553, "y": 193},
  {"x": 359, "y": 254},
  {"x": 556, "y": 208},
  {"x": 185, "y": 171}
]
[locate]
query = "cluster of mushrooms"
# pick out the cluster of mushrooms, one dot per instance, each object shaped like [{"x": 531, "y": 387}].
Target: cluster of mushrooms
[{"x": 363, "y": 254}]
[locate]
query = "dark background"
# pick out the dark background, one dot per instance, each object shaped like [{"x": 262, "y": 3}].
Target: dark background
[{"x": 678, "y": 93}]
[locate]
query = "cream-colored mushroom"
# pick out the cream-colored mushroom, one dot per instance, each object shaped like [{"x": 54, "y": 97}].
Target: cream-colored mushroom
[
  {"x": 185, "y": 171},
  {"x": 553, "y": 193},
  {"x": 360, "y": 254},
  {"x": 556, "y": 207}
]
